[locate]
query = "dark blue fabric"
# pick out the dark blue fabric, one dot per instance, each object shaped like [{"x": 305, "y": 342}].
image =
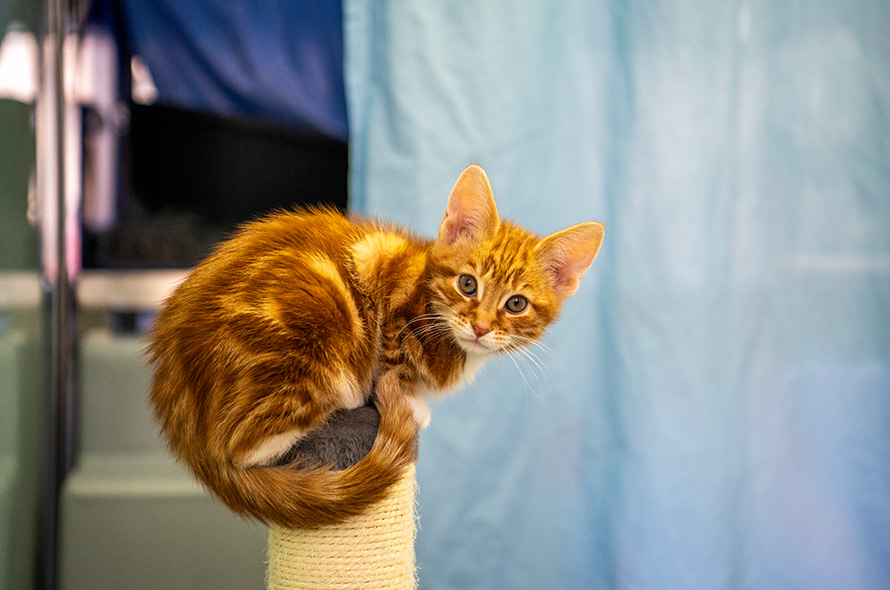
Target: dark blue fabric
[{"x": 280, "y": 60}]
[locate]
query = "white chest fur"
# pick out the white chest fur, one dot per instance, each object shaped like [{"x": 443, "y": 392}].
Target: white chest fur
[
  {"x": 421, "y": 410},
  {"x": 472, "y": 365}
]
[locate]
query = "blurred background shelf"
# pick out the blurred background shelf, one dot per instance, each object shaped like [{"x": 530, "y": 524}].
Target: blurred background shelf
[{"x": 131, "y": 516}]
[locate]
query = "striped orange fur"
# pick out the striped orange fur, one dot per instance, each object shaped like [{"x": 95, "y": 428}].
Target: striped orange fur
[{"x": 301, "y": 314}]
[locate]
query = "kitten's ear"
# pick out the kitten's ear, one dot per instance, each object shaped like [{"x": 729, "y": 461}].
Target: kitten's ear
[
  {"x": 567, "y": 254},
  {"x": 471, "y": 211}
]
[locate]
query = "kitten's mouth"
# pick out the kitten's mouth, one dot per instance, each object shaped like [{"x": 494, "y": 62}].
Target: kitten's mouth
[
  {"x": 474, "y": 345},
  {"x": 469, "y": 342}
]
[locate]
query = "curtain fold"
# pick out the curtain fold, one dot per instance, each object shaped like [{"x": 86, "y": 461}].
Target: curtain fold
[{"x": 713, "y": 409}]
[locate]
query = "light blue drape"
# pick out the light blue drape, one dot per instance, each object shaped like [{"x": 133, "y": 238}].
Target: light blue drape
[{"x": 713, "y": 408}]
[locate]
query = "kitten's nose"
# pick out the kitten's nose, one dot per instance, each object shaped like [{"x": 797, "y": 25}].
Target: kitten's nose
[{"x": 480, "y": 331}]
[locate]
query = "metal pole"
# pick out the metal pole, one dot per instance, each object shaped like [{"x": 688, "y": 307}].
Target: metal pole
[{"x": 57, "y": 242}]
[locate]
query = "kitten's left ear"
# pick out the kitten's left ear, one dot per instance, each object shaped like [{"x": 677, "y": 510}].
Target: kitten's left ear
[
  {"x": 567, "y": 254},
  {"x": 471, "y": 211}
]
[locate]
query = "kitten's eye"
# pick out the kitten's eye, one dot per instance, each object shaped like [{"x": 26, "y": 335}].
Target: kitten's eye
[
  {"x": 516, "y": 304},
  {"x": 467, "y": 284}
]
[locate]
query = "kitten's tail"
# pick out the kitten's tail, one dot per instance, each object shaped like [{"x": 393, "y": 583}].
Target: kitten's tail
[{"x": 309, "y": 498}]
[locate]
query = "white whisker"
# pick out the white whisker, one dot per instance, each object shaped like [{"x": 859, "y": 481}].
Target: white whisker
[
  {"x": 535, "y": 359},
  {"x": 521, "y": 373},
  {"x": 528, "y": 351},
  {"x": 527, "y": 344},
  {"x": 436, "y": 319},
  {"x": 541, "y": 372}
]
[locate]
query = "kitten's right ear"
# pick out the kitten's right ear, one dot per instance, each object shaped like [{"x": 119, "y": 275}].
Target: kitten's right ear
[{"x": 471, "y": 211}]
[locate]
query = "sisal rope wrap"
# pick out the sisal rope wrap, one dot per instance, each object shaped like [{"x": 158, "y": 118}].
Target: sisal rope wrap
[{"x": 371, "y": 551}]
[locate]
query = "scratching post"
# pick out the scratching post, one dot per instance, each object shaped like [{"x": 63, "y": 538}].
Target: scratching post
[{"x": 371, "y": 551}]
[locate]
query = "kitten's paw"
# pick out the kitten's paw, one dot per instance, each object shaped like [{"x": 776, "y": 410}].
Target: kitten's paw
[{"x": 421, "y": 412}]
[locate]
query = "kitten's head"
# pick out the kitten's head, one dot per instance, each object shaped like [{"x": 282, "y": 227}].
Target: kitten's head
[{"x": 496, "y": 285}]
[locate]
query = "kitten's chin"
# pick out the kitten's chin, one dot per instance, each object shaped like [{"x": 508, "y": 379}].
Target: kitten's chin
[{"x": 474, "y": 347}]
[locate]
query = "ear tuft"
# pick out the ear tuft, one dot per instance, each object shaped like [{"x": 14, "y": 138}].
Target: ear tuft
[
  {"x": 471, "y": 211},
  {"x": 567, "y": 254}
]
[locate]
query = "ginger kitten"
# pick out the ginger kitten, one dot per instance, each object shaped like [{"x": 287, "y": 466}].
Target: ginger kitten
[{"x": 302, "y": 314}]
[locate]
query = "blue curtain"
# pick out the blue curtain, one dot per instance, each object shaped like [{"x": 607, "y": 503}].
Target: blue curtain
[{"x": 713, "y": 409}]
